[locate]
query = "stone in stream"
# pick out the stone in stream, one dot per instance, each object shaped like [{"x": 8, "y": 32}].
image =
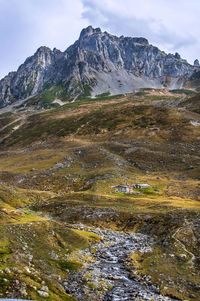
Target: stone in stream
[{"x": 109, "y": 278}]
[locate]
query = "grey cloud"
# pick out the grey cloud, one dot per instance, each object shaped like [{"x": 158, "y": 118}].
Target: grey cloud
[
  {"x": 150, "y": 28},
  {"x": 26, "y": 25}
]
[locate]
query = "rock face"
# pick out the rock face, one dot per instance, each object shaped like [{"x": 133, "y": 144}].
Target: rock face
[
  {"x": 196, "y": 63},
  {"x": 96, "y": 63},
  {"x": 31, "y": 76}
]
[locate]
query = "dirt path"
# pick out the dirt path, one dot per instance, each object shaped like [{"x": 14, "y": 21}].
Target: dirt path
[{"x": 191, "y": 261}]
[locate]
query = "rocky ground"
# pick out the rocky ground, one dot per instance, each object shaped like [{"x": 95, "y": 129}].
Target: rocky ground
[{"x": 107, "y": 277}]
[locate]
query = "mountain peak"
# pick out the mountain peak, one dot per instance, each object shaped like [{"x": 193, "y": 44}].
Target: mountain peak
[
  {"x": 100, "y": 61},
  {"x": 43, "y": 49},
  {"x": 88, "y": 31}
]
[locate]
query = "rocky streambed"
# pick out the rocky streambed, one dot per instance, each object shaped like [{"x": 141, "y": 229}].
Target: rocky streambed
[{"x": 105, "y": 274}]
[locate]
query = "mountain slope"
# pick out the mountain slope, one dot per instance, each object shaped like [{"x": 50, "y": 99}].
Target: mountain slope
[
  {"x": 96, "y": 63},
  {"x": 66, "y": 161}
]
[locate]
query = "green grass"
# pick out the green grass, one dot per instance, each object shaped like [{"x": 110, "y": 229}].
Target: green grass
[
  {"x": 9, "y": 128},
  {"x": 31, "y": 233},
  {"x": 40, "y": 126},
  {"x": 108, "y": 97},
  {"x": 90, "y": 236},
  {"x": 46, "y": 98},
  {"x": 172, "y": 275},
  {"x": 182, "y": 91},
  {"x": 39, "y": 160},
  {"x": 141, "y": 93},
  {"x": 86, "y": 92},
  {"x": 4, "y": 250},
  {"x": 150, "y": 89},
  {"x": 106, "y": 94},
  {"x": 123, "y": 141},
  {"x": 69, "y": 265},
  {"x": 6, "y": 118}
]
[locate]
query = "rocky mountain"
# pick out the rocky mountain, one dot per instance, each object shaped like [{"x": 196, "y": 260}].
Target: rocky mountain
[
  {"x": 113, "y": 186},
  {"x": 96, "y": 63}
]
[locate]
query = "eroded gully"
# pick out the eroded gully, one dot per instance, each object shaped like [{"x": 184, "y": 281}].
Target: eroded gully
[{"x": 105, "y": 274}]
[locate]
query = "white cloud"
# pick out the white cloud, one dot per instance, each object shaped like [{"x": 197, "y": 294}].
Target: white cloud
[
  {"x": 25, "y": 25},
  {"x": 171, "y": 25}
]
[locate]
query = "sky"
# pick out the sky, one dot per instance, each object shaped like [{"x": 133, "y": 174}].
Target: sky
[{"x": 25, "y": 25}]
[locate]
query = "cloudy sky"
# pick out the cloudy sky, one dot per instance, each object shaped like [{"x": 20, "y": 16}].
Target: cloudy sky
[{"x": 25, "y": 25}]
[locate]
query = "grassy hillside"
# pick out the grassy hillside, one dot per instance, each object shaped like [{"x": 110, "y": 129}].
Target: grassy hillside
[
  {"x": 192, "y": 103},
  {"x": 64, "y": 162}
]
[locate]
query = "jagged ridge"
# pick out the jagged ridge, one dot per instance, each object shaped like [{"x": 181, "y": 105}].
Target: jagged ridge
[{"x": 96, "y": 63}]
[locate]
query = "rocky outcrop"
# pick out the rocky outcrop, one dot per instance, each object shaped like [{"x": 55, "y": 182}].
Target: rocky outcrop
[
  {"x": 97, "y": 62},
  {"x": 31, "y": 76},
  {"x": 196, "y": 63}
]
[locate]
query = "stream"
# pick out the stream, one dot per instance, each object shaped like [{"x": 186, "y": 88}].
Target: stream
[{"x": 107, "y": 277}]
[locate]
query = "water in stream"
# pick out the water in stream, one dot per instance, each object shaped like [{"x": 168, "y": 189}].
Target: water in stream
[{"x": 109, "y": 274}]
